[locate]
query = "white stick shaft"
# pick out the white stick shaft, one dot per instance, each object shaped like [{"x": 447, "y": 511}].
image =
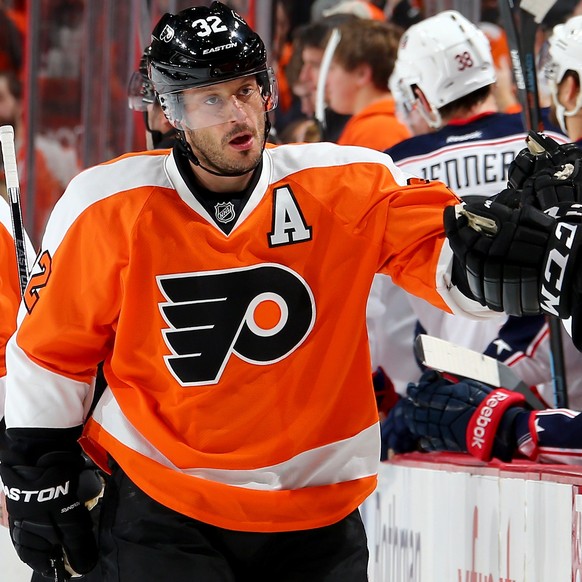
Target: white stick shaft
[
  {"x": 332, "y": 43},
  {"x": 13, "y": 187},
  {"x": 9, "y": 157}
]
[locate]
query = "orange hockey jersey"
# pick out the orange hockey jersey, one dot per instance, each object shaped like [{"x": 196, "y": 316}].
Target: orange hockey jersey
[{"x": 238, "y": 365}]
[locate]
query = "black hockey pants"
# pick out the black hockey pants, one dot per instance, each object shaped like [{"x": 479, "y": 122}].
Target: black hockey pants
[{"x": 144, "y": 541}]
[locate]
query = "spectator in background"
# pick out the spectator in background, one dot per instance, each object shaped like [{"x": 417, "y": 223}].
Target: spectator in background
[
  {"x": 309, "y": 44},
  {"x": 357, "y": 84},
  {"x": 11, "y": 43},
  {"x": 287, "y": 16},
  {"x": 47, "y": 188}
]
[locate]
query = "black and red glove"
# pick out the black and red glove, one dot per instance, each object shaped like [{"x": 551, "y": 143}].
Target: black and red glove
[{"x": 467, "y": 416}]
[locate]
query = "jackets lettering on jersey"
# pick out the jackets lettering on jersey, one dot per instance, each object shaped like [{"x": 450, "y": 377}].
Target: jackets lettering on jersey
[{"x": 238, "y": 364}]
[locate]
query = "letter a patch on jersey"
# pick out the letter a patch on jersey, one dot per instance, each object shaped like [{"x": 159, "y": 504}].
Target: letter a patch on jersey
[
  {"x": 260, "y": 313},
  {"x": 289, "y": 226}
]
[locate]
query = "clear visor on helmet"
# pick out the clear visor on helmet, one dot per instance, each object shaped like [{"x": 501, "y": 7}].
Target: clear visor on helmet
[
  {"x": 230, "y": 101},
  {"x": 140, "y": 92}
]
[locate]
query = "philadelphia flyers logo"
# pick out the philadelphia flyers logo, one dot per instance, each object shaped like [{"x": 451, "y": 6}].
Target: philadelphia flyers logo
[
  {"x": 38, "y": 280},
  {"x": 260, "y": 314}
]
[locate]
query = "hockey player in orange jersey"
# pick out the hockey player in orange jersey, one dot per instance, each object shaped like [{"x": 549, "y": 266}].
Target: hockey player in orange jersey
[{"x": 227, "y": 297}]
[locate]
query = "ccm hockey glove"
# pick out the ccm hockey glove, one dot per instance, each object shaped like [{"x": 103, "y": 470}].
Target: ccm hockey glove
[
  {"x": 543, "y": 154},
  {"x": 48, "y": 523},
  {"x": 463, "y": 417},
  {"x": 499, "y": 254}
]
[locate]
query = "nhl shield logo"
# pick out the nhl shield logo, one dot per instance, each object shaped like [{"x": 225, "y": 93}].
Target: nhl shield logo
[
  {"x": 167, "y": 34},
  {"x": 224, "y": 212}
]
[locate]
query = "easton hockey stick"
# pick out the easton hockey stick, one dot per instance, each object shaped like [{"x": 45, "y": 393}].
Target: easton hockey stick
[
  {"x": 521, "y": 24},
  {"x": 13, "y": 188},
  {"x": 447, "y": 357}
]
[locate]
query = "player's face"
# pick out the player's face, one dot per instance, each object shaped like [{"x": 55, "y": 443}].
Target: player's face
[{"x": 236, "y": 145}]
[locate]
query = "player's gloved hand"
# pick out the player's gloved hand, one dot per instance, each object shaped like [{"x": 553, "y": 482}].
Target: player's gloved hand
[
  {"x": 386, "y": 395},
  {"x": 395, "y": 434},
  {"x": 520, "y": 261},
  {"x": 499, "y": 253},
  {"x": 549, "y": 188},
  {"x": 551, "y": 156},
  {"x": 463, "y": 417},
  {"x": 48, "y": 522}
]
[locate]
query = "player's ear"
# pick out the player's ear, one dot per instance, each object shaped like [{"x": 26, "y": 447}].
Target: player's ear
[{"x": 568, "y": 91}]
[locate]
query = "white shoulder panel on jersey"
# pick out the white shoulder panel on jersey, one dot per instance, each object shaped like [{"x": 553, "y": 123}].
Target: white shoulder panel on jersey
[
  {"x": 100, "y": 182},
  {"x": 286, "y": 160}
]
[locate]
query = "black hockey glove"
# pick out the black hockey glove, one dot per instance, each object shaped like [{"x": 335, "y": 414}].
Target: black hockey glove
[
  {"x": 550, "y": 188},
  {"x": 500, "y": 252},
  {"x": 49, "y": 525},
  {"x": 542, "y": 154},
  {"x": 464, "y": 417}
]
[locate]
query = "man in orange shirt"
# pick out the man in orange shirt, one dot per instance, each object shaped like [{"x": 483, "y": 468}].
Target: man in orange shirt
[
  {"x": 357, "y": 84},
  {"x": 227, "y": 300}
]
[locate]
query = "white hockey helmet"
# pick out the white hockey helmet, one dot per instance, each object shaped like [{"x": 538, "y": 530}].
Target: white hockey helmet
[
  {"x": 565, "y": 51},
  {"x": 447, "y": 57}
]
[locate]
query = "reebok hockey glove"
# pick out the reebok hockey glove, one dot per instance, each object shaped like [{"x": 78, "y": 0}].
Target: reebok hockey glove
[
  {"x": 395, "y": 434},
  {"x": 47, "y": 520},
  {"x": 463, "y": 417}
]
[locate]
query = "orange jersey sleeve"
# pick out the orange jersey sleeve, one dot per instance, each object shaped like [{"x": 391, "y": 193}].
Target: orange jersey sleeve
[{"x": 238, "y": 365}]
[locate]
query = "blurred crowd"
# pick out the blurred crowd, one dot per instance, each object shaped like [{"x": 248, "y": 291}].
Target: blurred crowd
[{"x": 370, "y": 31}]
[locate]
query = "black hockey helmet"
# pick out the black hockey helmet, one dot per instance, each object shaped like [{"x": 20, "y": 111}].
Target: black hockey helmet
[{"x": 201, "y": 46}]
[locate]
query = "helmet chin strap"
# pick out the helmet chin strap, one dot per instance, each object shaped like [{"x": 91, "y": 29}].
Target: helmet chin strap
[{"x": 192, "y": 156}]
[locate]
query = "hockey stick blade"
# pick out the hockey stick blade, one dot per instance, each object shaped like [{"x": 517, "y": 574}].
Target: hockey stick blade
[{"x": 447, "y": 357}]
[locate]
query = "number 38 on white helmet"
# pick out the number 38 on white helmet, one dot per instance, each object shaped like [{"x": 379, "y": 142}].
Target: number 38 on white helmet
[{"x": 444, "y": 56}]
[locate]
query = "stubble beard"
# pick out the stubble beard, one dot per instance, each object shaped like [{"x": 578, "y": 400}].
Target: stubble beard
[{"x": 212, "y": 154}]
